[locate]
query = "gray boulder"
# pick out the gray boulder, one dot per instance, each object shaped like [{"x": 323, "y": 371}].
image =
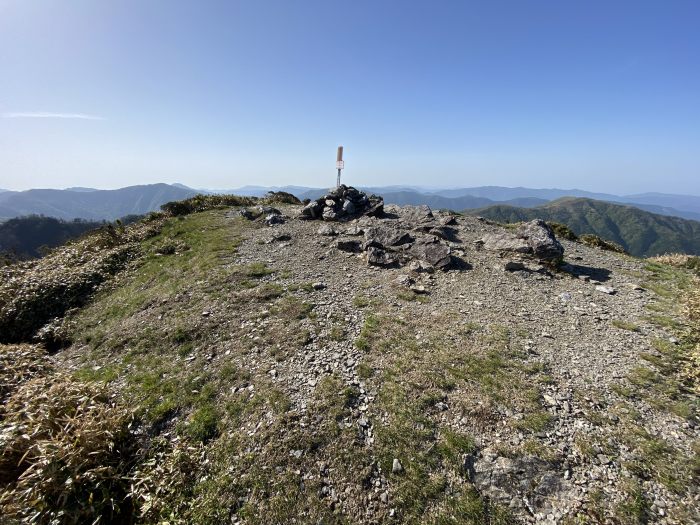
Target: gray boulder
[
  {"x": 416, "y": 213},
  {"x": 534, "y": 237},
  {"x": 312, "y": 210},
  {"x": 541, "y": 240},
  {"x": 327, "y": 230}
]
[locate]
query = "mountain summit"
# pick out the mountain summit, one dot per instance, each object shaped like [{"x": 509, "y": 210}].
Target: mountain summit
[{"x": 238, "y": 360}]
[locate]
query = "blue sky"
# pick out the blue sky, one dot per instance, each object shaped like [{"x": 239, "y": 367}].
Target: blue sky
[{"x": 596, "y": 95}]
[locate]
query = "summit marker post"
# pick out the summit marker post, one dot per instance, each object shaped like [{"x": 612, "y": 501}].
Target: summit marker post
[{"x": 339, "y": 164}]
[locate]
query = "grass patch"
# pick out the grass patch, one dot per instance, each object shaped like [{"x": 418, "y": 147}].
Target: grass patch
[
  {"x": 360, "y": 301},
  {"x": 625, "y": 325}
]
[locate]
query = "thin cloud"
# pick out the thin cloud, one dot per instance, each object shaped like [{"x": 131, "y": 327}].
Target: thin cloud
[{"x": 45, "y": 114}]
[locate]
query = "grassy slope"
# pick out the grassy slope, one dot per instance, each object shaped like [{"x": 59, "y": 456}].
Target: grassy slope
[
  {"x": 640, "y": 233},
  {"x": 149, "y": 339}
]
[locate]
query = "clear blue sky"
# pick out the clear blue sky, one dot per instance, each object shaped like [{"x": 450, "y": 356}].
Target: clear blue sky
[{"x": 598, "y": 95}]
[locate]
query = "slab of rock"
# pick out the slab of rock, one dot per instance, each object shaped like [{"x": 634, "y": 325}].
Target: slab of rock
[
  {"x": 327, "y": 230},
  {"x": 534, "y": 237},
  {"x": 380, "y": 257},
  {"x": 435, "y": 253},
  {"x": 312, "y": 210},
  {"x": 444, "y": 232},
  {"x": 532, "y": 479},
  {"x": 606, "y": 289},
  {"x": 420, "y": 267},
  {"x": 505, "y": 242},
  {"x": 385, "y": 237},
  {"x": 416, "y": 214},
  {"x": 349, "y": 245}
]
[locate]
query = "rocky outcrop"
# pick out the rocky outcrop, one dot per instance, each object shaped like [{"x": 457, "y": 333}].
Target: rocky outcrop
[
  {"x": 535, "y": 238},
  {"x": 390, "y": 243},
  {"x": 343, "y": 203}
]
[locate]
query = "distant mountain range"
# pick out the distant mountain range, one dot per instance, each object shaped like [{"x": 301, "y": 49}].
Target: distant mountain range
[
  {"x": 90, "y": 204},
  {"x": 641, "y": 233},
  {"x": 684, "y": 206},
  {"x": 645, "y": 224}
]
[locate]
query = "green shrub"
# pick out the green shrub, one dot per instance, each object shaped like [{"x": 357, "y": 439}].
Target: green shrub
[
  {"x": 280, "y": 197},
  {"x": 593, "y": 240},
  {"x": 562, "y": 231},
  {"x": 205, "y": 202}
]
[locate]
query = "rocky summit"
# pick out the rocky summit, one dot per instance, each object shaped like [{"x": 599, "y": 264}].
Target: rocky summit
[{"x": 256, "y": 361}]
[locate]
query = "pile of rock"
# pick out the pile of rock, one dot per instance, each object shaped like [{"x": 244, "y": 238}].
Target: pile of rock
[{"x": 343, "y": 203}]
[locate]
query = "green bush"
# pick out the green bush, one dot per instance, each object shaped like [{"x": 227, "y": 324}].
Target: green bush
[
  {"x": 280, "y": 197},
  {"x": 205, "y": 202},
  {"x": 562, "y": 231},
  {"x": 593, "y": 240}
]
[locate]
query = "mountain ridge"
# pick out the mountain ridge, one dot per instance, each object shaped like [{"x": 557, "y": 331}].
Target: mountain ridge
[{"x": 640, "y": 232}]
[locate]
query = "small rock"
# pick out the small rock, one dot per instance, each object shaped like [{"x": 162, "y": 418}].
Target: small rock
[
  {"x": 327, "y": 230},
  {"x": 404, "y": 280},
  {"x": 513, "y": 266},
  {"x": 606, "y": 289},
  {"x": 396, "y": 466},
  {"x": 318, "y": 286}
]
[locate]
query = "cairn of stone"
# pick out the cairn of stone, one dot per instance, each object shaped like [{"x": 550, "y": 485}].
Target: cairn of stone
[{"x": 342, "y": 204}]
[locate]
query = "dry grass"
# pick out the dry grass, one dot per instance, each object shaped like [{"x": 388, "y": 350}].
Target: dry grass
[
  {"x": 65, "y": 453},
  {"x": 691, "y": 302},
  {"x": 678, "y": 260},
  {"x": 19, "y": 363}
]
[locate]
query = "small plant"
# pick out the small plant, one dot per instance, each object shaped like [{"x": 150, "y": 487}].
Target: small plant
[
  {"x": 360, "y": 301},
  {"x": 280, "y": 197},
  {"x": 203, "y": 423},
  {"x": 534, "y": 422}
]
